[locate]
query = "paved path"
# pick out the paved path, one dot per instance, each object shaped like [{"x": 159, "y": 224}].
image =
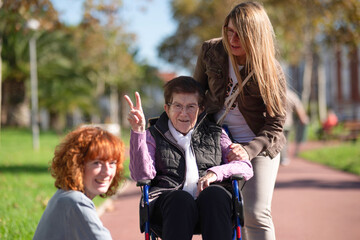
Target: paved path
[{"x": 310, "y": 202}]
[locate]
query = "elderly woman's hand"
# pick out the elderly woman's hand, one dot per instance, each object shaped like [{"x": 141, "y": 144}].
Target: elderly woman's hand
[
  {"x": 136, "y": 116},
  {"x": 237, "y": 153},
  {"x": 205, "y": 181}
]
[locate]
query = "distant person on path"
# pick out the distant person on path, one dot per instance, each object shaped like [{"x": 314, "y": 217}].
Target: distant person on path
[
  {"x": 246, "y": 90},
  {"x": 294, "y": 106},
  {"x": 89, "y": 162},
  {"x": 328, "y": 124},
  {"x": 182, "y": 152}
]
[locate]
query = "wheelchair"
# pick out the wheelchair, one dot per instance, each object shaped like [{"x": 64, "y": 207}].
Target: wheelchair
[{"x": 152, "y": 231}]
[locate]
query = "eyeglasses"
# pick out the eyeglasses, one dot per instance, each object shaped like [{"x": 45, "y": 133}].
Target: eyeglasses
[
  {"x": 231, "y": 33},
  {"x": 177, "y": 107}
]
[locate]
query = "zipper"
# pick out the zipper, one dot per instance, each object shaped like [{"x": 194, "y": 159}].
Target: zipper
[
  {"x": 182, "y": 152},
  {"x": 155, "y": 193}
]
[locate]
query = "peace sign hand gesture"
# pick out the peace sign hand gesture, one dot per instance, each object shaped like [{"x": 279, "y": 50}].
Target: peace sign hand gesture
[{"x": 136, "y": 116}]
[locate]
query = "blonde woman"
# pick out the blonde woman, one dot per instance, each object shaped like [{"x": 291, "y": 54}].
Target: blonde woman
[{"x": 246, "y": 92}]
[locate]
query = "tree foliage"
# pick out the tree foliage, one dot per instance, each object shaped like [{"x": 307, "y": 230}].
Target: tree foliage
[
  {"x": 77, "y": 65},
  {"x": 197, "y": 21},
  {"x": 102, "y": 31},
  {"x": 63, "y": 86},
  {"x": 300, "y": 26},
  {"x": 344, "y": 24},
  {"x": 14, "y": 37}
]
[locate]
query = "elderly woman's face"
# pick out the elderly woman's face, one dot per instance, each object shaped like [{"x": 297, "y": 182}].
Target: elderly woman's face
[
  {"x": 98, "y": 176},
  {"x": 183, "y": 111}
]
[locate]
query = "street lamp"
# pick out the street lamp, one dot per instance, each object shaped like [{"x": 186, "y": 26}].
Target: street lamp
[{"x": 34, "y": 24}]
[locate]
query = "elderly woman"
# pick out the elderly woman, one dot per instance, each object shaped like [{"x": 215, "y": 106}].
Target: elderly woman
[
  {"x": 89, "y": 162},
  {"x": 182, "y": 152}
]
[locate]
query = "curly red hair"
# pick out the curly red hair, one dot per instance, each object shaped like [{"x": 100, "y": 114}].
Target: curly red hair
[{"x": 78, "y": 147}]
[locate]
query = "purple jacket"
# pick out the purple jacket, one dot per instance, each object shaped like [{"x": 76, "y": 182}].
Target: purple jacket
[{"x": 142, "y": 159}]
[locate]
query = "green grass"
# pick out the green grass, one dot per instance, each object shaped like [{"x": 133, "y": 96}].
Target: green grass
[
  {"x": 345, "y": 157},
  {"x": 25, "y": 182}
]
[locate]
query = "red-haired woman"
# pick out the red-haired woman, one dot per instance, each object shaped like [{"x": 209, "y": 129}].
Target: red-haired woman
[{"x": 89, "y": 162}]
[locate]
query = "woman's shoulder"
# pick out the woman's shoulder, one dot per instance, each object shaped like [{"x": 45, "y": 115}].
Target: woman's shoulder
[
  {"x": 213, "y": 43},
  {"x": 73, "y": 198},
  {"x": 214, "y": 51}
]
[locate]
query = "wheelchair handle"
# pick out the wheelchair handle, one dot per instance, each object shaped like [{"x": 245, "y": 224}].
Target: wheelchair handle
[
  {"x": 237, "y": 177},
  {"x": 142, "y": 183}
]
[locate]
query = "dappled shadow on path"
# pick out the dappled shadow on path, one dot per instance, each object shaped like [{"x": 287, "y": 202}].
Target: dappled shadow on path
[
  {"x": 311, "y": 183},
  {"x": 24, "y": 168}
]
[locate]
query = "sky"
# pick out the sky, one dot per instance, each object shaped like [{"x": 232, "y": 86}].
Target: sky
[{"x": 150, "y": 20}]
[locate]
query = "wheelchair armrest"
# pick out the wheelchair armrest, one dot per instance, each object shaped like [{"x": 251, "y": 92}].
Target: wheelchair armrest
[
  {"x": 237, "y": 177},
  {"x": 144, "y": 182}
]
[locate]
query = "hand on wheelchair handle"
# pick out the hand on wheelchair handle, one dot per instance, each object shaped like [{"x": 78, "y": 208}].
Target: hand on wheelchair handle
[
  {"x": 205, "y": 181},
  {"x": 237, "y": 153}
]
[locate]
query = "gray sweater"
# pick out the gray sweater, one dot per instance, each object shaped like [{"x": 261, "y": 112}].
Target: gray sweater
[{"x": 70, "y": 215}]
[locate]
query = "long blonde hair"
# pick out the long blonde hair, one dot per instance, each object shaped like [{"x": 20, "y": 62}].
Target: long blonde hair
[{"x": 257, "y": 38}]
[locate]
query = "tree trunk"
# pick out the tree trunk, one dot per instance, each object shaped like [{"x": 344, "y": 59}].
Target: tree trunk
[
  {"x": 99, "y": 92},
  {"x": 124, "y": 109},
  {"x": 354, "y": 81},
  {"x": 16, "y": 111},
  {"x": 57, "y": 122},
  {"x": 0, "y": 81},
  {"x": 305, "y": 95},
  {"x": 114, "y": 105},
  {"x": 321, "y": 90}
]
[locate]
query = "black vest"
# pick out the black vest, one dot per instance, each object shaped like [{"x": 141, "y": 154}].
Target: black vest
[{"x": 170, "y": 157}]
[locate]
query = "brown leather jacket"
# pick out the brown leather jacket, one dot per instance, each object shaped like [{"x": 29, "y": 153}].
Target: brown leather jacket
[{"x": 212, "y": 71}]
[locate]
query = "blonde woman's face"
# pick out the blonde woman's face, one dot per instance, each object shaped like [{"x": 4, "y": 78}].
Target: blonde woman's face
[{"x": 235, "y": 45}]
